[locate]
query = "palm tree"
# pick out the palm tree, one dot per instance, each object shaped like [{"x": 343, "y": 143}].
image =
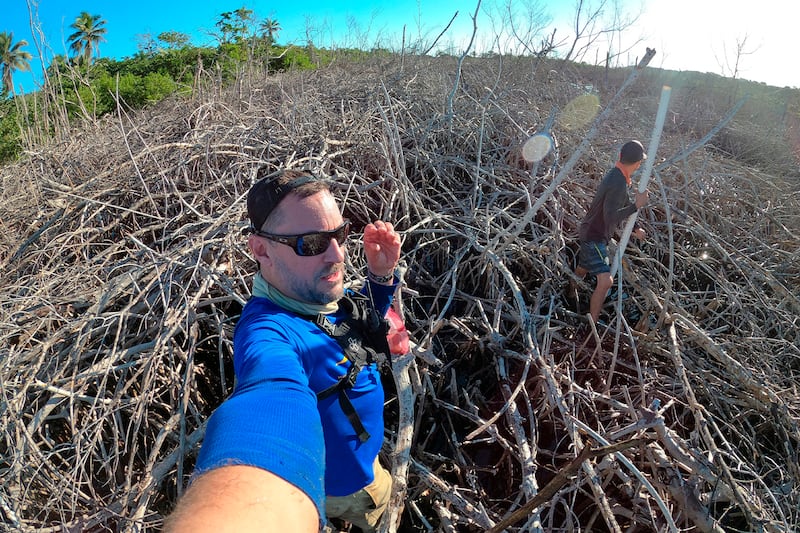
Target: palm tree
[
  {"x": 89, "y": 31},
  {"x": 12, "y": 58},
  {"x": 270, "y": 28}
]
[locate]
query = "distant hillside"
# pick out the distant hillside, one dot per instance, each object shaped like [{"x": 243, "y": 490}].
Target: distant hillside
[{"x": 125, "y": 269}]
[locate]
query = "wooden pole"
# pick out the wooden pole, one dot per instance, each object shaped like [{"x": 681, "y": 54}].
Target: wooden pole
[{"x": 666, "y": 91}]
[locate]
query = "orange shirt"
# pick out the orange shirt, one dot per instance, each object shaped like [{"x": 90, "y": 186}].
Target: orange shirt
[{"x": 626, "y": 171}]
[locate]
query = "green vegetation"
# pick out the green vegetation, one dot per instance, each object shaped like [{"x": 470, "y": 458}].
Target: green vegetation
[
  {"x": 89, "y": 32},
  {"x": 9, "y": 131},
  {"x": 86, "y": 86},
  {"x": 12, "y": 57}
]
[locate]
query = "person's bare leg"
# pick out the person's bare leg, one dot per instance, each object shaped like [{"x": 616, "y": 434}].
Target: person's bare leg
[{"x": 604, "y": 283}]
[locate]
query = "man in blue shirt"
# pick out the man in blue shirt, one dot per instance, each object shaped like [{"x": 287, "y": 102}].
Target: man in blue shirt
[{"x": 290, "y": 445}]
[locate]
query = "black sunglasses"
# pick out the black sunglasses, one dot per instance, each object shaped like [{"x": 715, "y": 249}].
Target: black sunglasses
[{"x": 312, "y": 243}]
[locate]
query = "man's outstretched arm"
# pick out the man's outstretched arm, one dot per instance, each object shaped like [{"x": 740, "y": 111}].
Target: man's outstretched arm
[{"x": 241, "y": 498}]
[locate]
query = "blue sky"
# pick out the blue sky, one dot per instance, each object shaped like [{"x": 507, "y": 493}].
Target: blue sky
[{"x": 688, "y": 34}]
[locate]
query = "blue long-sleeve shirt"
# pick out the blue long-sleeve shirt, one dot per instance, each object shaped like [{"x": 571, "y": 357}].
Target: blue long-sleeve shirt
[{"x": 273, "y": 420}]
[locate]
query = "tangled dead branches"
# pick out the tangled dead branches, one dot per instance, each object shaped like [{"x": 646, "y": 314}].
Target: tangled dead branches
[{"x": 124, "y": 270}]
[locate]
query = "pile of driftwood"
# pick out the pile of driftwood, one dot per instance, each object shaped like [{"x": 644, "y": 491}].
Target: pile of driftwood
[{"x": 124, "y": 270}]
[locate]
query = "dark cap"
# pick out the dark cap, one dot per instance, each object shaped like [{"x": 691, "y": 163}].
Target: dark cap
[
  {"x": 265, "y": 194},
  {"x": 632, "y": 152}
]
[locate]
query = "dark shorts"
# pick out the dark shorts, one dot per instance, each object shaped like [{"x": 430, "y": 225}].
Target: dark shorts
[{"x": 593, "y": 257}]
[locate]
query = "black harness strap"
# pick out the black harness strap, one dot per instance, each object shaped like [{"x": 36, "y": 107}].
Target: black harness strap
[
  {"x": 341, "y": 386},
  {"x": 362, "y": 337}
]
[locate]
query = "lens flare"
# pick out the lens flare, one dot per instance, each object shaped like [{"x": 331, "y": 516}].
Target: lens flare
[
  {"x": 536, "y": 147},
  {"x": 579, "y": 111}
]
